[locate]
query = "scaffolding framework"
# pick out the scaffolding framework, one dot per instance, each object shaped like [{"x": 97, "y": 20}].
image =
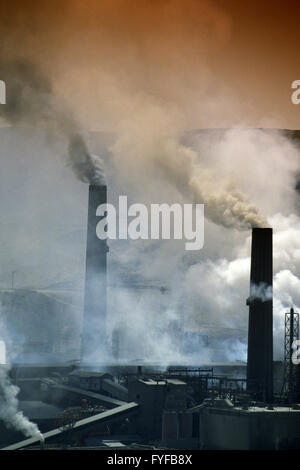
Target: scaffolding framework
[{"x": 291, "y": 333}]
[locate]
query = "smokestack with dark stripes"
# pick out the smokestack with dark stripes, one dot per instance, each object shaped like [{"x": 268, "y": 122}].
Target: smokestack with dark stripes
[
  {"x": 260, "y": 333},
  {"x": 93, "y": 344}
]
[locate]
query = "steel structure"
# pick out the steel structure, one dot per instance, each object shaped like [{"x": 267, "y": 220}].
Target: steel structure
[{"x": 291, "y": 333}]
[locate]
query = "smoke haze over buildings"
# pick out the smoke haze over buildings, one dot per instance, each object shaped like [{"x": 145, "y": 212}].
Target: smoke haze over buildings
[{"x": 129, "y": 83}]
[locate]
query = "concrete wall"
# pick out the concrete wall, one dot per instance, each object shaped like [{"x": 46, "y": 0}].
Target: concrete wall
[
  {"x": 249, "y": 430},
  {"x": 152, "y": 397}
]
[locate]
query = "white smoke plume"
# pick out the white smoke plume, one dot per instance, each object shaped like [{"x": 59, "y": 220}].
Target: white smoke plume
[
  {"x": 224, "y": 170},
  {"x": 262, "y": 292},
  {"x": 218, "y": 289},
  {"x": 9, "y": 403},
  {"x": 9, "y": 412}
]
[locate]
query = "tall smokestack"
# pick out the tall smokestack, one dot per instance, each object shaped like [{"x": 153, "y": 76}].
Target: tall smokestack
[
  {"x": 94, "y": 317},
  {"x": 260, "y": 333}
]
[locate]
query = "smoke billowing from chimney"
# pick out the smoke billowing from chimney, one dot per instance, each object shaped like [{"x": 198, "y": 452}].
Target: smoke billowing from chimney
[
  {"x": 153, "y": 137},
  {"x": 32, "y": 102},
  {"x": 9, "y": 412},
  {"x": 224, "y": 203},
  {"x": 9, "y": 404},
  {"x": 88, "y": 168}
]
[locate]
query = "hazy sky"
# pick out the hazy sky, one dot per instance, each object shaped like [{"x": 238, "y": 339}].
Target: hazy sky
[
  {"x": 219, "y": 63},
  {"x": 146, "y": 70}
]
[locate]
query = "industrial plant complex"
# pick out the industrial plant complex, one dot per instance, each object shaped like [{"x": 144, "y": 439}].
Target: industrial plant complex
[{"x": 103, "y": 400}]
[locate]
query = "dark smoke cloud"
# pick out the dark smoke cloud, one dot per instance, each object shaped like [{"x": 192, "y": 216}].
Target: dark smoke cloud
[
  {"x": 29, "y": 93},
  {"x": 32, "y": 102},
  {"x": 87, "y": 167}
]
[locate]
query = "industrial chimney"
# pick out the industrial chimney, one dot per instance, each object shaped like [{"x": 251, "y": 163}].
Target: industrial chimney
[
  {"x": 94, "y": 317},
  {"x": 260, "y": 332}
]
